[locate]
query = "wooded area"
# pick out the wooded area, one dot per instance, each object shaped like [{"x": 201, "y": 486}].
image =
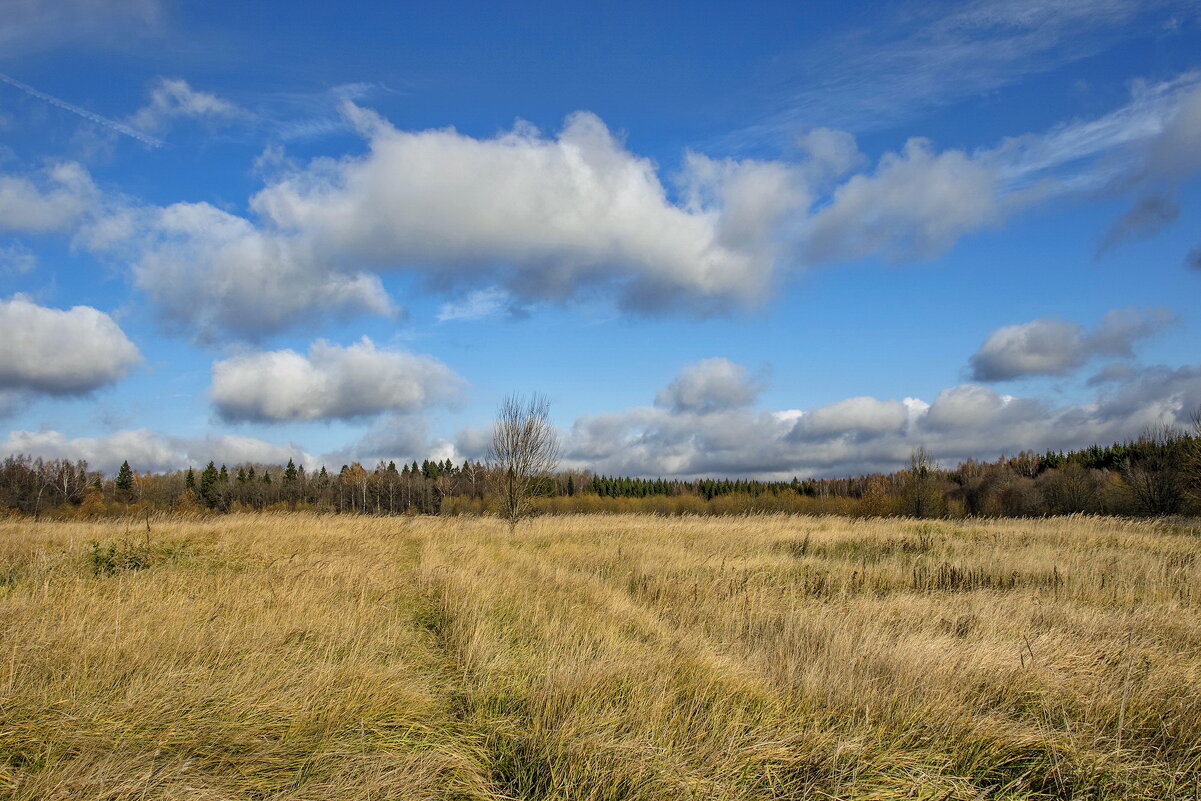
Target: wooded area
[{"x": 1157, "y": 474}]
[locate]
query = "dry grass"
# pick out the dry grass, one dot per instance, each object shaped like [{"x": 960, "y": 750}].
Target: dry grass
[{"x": 599, "y": 657}]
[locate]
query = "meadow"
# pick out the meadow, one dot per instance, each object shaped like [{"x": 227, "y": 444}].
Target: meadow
[{"x": 293, "y": 656}]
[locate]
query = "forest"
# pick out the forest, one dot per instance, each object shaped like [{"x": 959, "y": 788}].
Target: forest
[{"x": 1158, "y": 473}]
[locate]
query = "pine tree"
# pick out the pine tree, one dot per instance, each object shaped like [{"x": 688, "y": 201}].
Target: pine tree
[
  {"x": 290, "y": 471},
  {"x": 223, "y": 476},
  {"x": 189, "y": 480}
]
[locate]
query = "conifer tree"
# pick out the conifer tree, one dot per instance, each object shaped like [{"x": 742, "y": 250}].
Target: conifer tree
[
  {"x": 208, "y": 481},
  {"x": 124, "y": 481}
]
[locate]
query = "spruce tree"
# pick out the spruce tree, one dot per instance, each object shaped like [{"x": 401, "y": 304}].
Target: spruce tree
[
  {"x": 290, "y": 471},
  {"x": 124, "y": 481},
  {"x": 208, "y": 481},
  {"x": 189, "y": 480}
]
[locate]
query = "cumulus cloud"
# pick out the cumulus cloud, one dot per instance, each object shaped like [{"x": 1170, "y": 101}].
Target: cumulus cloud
[
  {"x": 1050, "y": 346},
  {"x": 330, "y": 382},
  {"x": 51, "y": 201},
  {"x": 551, "y": 217},
  {"x": 60, "y": 352},
  {"x": 916, "y": 204},
  {"x": 144, "y": 449},
  {"x": 148, "y": 450},
  {"x": 544, "y": 215},
  {"x": 173, "y": 98},
  {"x": 234, "y": 449},
  {"x": 710, "y": 385},
  {"x": 400, "y": 437},
  {"x": 1145, "y": 219},
  {"x": 1176, "y": 152},
  {"x": 864, "y": 435},
  {"x": 830, "y": 153},
  {"x": 863, "y": 416},
  {"x": 218, "y": 275}
]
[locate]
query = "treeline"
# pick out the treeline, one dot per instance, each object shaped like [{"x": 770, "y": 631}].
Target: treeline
[{"x": 1157, "y": 474}]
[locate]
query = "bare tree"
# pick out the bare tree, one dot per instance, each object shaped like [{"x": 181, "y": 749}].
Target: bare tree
[
  {"x": 1158, "y": 476},
  {"x": 922, "y": 497},
  {"x": 524, "y": 450}
]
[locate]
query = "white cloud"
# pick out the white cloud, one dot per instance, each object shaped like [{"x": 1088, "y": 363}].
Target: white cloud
[
  {"x": 402, "y": 437},
  {"x": 532, "y": 217},
  {"x": 148, "y": 450},
  {"x": 710, "y": 385},
  {"x": 60, "y": 352},
  {"x": 173, "y": 98},
  {"x": 831, "y": 153},
  {"x": 16, "y": 258},
  {"x": 51, "y": 201},
  {"x": 216, "y": 274},
  {"x": 478, "y": 305},
  {"x": 230, "y": 449},
  {"x": 863, "y": 415},
  {"x": 144, "y": 449},
  {"x": 864, "y": 435},
  {"x": 544, "y": 216},
  {"x": 331, "y": 382},
  {"x": 916, "y": 204},
  {"x": 1056, "y": 347}
]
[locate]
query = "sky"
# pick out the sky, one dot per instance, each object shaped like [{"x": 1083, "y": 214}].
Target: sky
[{"x": 757, "y": 239}]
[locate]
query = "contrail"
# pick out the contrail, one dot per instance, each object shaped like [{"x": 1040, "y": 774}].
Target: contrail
[{"x": 83, "y": 112}]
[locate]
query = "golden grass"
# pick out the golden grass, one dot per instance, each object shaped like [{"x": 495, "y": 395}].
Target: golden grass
[{"x": 599, "y": 657}]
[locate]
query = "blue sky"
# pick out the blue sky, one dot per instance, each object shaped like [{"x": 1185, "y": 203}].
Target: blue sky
[{"x": 771, "y": 240}]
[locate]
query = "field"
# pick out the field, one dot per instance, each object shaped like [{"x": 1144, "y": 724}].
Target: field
[{"x": 599, "y": 657}]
